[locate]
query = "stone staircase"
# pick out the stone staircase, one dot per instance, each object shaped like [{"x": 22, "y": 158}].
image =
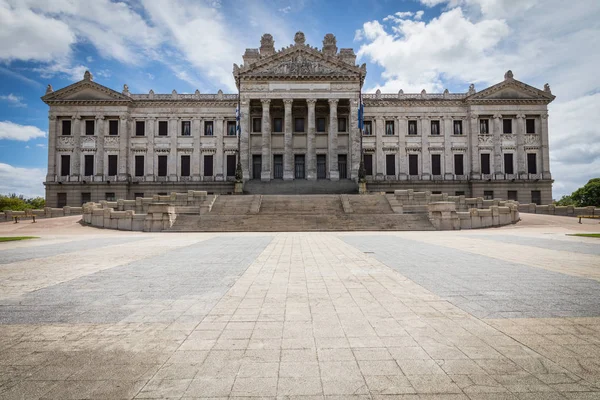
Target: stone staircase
[
  {"x": 300, "y": 186},
  {"x": 295, "y": 213}
]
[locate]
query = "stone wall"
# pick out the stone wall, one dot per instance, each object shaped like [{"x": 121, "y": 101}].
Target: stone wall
[
  {"x": 47, "y": 212},
  {"x": 551, "y": 209},
  {"x": 443, "y": 216}
]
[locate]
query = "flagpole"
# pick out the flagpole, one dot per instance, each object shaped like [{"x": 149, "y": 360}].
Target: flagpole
[{"x": 239, "y": 174}]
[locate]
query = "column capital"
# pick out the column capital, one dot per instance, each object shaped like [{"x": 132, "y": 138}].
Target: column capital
[
  {"x": 151, "y": 118},
  {"x": 379, "y": 118},
  {"x": 333, "y": 101},
  {"x": 474, "y": 116},
  {"x": 265, "y": 102},
  {"x": 100, "y": 117},
  {"x": 424, "y": 117},
  {"x": 544, "y": 116},
  {"x": 219, "y": 118},
  {"x": 52, "y": 117},
  {"x": 76, "y": 117},
  {"x": 521, "y": 116},
  {"x": 311, "y": 101},
  {"x": 288, "y": 101},
  {"x": 497, "y": 116}
]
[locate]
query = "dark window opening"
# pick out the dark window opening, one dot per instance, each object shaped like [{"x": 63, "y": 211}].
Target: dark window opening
[
  {"x": 342, "y": 125},
  {"x": 530, "y": 125},
  {"x": 459, "y": 166},
  {"x": 112, "y": 165},
  {"x": 488, "y": 195},
  {"x": 299, "y": 171},
  {"x": 458, "y": 127},
  {"x": 136, "y": 195},
  {"x": 459, "y": 193},
  {"x": 321, "y": 166},
  {"x": 139, "y": 165},
  {"x": 485, "y": 163},
  {"x": 278, "y": 125},
  {"x": 256, "y": 166},
  {"x": 208, "y": 165},
  {"x": 435, "y": 127},
  {"x": 231, "y": 128},
  {"x": 140, "y": 128},
  {"x": 536, "y": 197},
  {"x": 512, "y": 195},
  {"x": 507, "y": 125},
  {"x": 162, "y": 165},
  {"x": 436, "y": 164},
  {"x": 61, "y": 200},
  {"x": 186, "y": 128},
  {"x": 532, "y": 163},
  {"x": 86, "y": 197},
  {"x": 390, "y": 164},
  {"x": 413, "y": 164},
  {"x": 66, "y": 127},
  {"x": 88, "y": 165},
  {"x": 110, "y": 196},
  {"x": 368, "y": 161},
  {"x": 508, "y": 164},
  {"x": 368, "y": 126},
  {"x": 89, "y": 127},
  {"x": 185, "y": 165},
  {"x": 256, "y": 124},
  {"x": 163, "y": 128},
  {"x": 484, "y": 126},
  {"x": 278, "y": 166},
  {"x": 321, "y": 125},
  {"x": 231, "y": 164},
  {"x": 113, "y": 127},
  {"x": 412, "y": 127},
  {"x": 389, "y": 128},
  {"x": 208, "y": 128},
  {"x": 299, "y": 125},
  {"x": 342, "y": 166},
  {"x": 65, "y": 165}
]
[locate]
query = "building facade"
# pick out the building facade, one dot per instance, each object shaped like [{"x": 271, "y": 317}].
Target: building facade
[{"x": 298, "y": 120}]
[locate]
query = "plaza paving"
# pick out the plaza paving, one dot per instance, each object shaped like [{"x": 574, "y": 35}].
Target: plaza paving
[{"x": 509, "y": 313}]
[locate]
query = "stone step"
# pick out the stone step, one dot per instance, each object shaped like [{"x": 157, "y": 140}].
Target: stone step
[
  {"x": 300, "y": 186},
  {"x": 301, "y": 204},
  {"x": 370, "y": 204}
]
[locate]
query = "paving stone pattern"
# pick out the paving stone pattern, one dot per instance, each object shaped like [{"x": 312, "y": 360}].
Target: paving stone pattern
[
  {"x": 483, "y": 286},
  {"x": 549, "y": 244},
  {"x": 142, "y": 290},
  {"x": 27, "y": 253}
]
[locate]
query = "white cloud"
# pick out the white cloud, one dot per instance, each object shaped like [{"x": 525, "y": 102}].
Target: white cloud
[
  {"x": 14, "y": 101},
  {"x": 72, "y": 72},
  {"x": 11, "y": 131},
  {"x": 22, "y": 181},
  {"x": 285, "y": 10}
]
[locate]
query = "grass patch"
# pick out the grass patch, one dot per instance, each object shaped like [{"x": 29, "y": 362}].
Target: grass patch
[
  {"x": 594, "y": 235},
  {"x": 13, "y": 238}
]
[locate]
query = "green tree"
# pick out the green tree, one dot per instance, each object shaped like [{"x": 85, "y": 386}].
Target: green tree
[
  {"x": 587, "y": 195},
  {"x": 16, "y": 202}
]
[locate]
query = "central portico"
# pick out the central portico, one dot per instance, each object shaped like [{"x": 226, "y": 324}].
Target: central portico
[{"x": 299, "y": 111}]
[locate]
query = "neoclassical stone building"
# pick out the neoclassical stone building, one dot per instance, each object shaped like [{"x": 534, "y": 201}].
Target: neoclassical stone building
[{"x": 299, "y": 121}]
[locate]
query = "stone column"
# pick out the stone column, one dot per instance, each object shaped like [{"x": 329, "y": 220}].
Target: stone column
[
  {"x": 265, "y": 174},
  {"x": 288, "y": 157},
  {"x": 219, "y": 155},
  {"x": 311, "y": 142},
  {"x": 353, "y": 158},
  {"x": 76, "y": 158},
  {"x": 474, "y": 146},
  {"x": 521, "y": 170},
  {"x": 446, "y": 132},
  {"x": 379, "y": 155},
  {"x": 245, "y": 138},
  {"x": 196, "y": 133},
  {"x": 151, "y": 127},
  {"x": 52, "y": 128},
  {"x": 402, "y": 125},
  {"x": 172, "y": 156},
  {"x": 334, "y": 174},
  {"x": 545, "y": 151},
  {"x": 497, "y": 140},
  {"x": 426, "y": 157},
  {"x": 100, "y": 133},
  {"x": 123, "y": 147}
]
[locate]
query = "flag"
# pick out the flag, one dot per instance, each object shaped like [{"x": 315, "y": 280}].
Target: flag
[
  {"x": 237, "y": 120},
  {"x": 361, "y": 111}
]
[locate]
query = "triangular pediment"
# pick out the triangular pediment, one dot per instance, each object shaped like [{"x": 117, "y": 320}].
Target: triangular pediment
[
  {"x": 299, "y": 61},
  {"x": 511, "y": 89},
  {"x": 85, "y": 90}
]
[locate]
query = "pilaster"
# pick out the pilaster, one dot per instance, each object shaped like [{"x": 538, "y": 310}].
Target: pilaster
[
  {"x": 245, "y": 138},
  {"x": 78, "y": 128},
  {"x": 497, "y": 140},
  {"x": 355, "y": 138},
  {"x": 425, "y": 157},
  {"x": 100, "y": 133},
  {"x": 311, "y": 156},
  {"x": 474, "y": 146},
  {"x": 52, "y": 128},
  {"x": 123, "y": 146},
  {"x": 196, "y": 133},
  {"x": 288, "y": 157},
  {"x": 172, "y": 157},
  {"x": 521, "y": 168},
  {"x": 379, "y": 172},
  {"x": 402, "y": 129},
  {"x": 545, "y": 150},
  {"x": 334, "y": 174},
  {"x": 446, "y": 132},
  {"x": 151, "y": 128},
  {"x": 219, "y": 129},
  {"x": 265, "y": 174}
]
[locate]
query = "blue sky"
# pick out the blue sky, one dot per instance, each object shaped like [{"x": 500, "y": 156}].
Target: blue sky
[{"x": 188, "y": 45}]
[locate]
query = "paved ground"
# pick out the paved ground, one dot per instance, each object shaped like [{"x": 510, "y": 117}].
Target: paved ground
[{"x": 510, "y": 313}]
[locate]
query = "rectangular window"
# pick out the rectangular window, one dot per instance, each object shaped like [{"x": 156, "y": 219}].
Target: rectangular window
[
  {"x": 139, "y": 165},
  {"x": 208, "y": 128},
  {"x": 532, "y": 163},
  {"x": 186, "y": 128},
  {"x": 389, "y": 128},
  {"x": 368, "y": 161},
  {"x": 162, "y": 165},
  {"x": 512, "y": 195},
  {"x": 413, "y": 164},
  {"x": 163, "y": 128},
  {"x": 321, "y": 166},
  {"x": 458, "y": 127},
  {"x": 110, "y": 196},
  {"x": 256, "y": 124},
  {"x": 529, "y": 124},
  {"x": 342, "y": 166},
  {"x": 435, "y": 128},
  {"x": 299, "y": 125},
  {"x": 65, "y": 165},
  {"x": 412, "y": 127},
  {"x": 299, "y": 164},
  {"x": 140, "y": 128},
  {"x": 256, "y": 166},
  {"x": 113, "y": 127},
  {"x": 485, "y": 163},
  {"x": 390, "y": 164},
  {"x": 61, "y": 200},
  {"x": 88, "y": 161},
  {"x": 208, "y": 165},
  {"x": 321, "y": 125},
  {"x": 536, "y": 197},
  {"x": 185, "y": 165},
  {"x": 231, "y": 164},
  {"x": 459, "y": 166},
  {"x": 342, "y": 124},
  {"x": 436, "y": 164},
  {"x": 89, "y": 127},
  {"x": 277, "y": 125},
  {"x": 66, "y": 127},
  {"x": 231, "y": 128},
  {"x": 368, "y": 128},
  {"x": 507, "y": 125},
  {"x": 86, "y": 197},
  {"x": 488, "y": 195},
  {"x": 138, "y": 195},
  {"x": 508, "y": 163},
  {"x": 459, "y": 193},
  {"x": 112, "y": 165},
  {"x": 278, "y": 166},
  {"x": 484, "y": 126}
]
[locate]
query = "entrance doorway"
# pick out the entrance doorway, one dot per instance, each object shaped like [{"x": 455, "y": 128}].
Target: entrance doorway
[
  {"x": 256, "y": 166},
  {"x": 299, "y": 166},
  {"x": 321, "y": 166}
]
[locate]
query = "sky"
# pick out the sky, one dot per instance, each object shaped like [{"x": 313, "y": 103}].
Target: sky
[{"x": 192, "y": 44}]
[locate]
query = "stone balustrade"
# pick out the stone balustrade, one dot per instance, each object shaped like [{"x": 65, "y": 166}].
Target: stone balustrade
[
  {"x": 551, "y": 209},
  {"x": 47, "y": 212}
]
